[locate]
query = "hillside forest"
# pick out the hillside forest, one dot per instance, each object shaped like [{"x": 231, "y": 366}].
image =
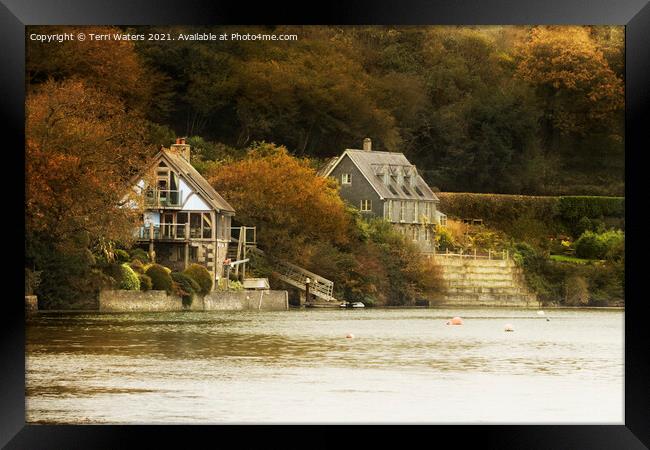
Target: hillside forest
[{"x": 526, "y": 110}]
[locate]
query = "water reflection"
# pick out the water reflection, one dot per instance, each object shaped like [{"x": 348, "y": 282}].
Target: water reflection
[{"x": 297, "y": 366}]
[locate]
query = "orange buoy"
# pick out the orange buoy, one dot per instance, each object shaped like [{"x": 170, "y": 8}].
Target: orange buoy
[
  {"x": 509, "y": 327},
  {"x": 456, "y": 321},
  {"x": 350, "y": 336}
]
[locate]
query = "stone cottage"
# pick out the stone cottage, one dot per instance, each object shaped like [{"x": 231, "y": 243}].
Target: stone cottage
[{"x": 386, "y": 184}]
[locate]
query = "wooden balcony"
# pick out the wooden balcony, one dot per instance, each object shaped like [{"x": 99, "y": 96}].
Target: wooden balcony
[
  {"x": 172, "y": 232},
  {"x": 163, "y": 198}
]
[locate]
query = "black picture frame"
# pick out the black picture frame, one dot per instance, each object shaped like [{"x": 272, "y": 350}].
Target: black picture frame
[{"x": 635, "y": 14}]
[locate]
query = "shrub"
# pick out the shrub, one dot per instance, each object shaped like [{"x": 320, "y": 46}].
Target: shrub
[
  {"x": 444, "y": 239},
  {"x": 160, "y": 278},
  {"x": 129, "y": 279},
  {"x": 145, "y": 282},
  {"x": 201, "y": 276},
  {"x": 185, "y": 287},
  {"x": 137, "y": 266},
  {"x": 121, "y": 256},
  {"x": 593, "y": 245},
  {"x": 138, "y": 253}
]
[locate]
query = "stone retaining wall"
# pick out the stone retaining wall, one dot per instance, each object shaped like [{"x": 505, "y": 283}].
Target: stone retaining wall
[
  {"x": 157, "y": 301},
  {"x": 247, "y": 300},
  {"x": 145, "y": 301}
]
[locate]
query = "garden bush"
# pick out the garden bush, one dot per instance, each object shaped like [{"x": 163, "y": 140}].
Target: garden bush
[
  {"x": 160, "y": 278},
  {"x": 185, "y": 287},
  {"x": 129, "y": 279},
  {"x": 592, "y": 245},
  {"x": 137, "y": 266},
  {"x": 138, "y": 253},
  {"x": 145, "y": 282},
  {"x": 201, "y": 276},
  {"x": 121, "y": 256}
]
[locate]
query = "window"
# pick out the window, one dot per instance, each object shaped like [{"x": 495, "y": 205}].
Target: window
[
  {"x": 416, "y": 233},
  {"x": 346, "y": 178},
  {"x": 366, "y": 205},
  {"x": 194, "y": 253},
  {"x": 402, "y": 211}
]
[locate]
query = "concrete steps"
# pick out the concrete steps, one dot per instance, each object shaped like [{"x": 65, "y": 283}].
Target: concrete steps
[{"x": 483, "y": 282}]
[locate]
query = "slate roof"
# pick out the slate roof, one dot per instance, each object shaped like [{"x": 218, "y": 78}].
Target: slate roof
[
  {"x": 373, "y": 164},
  {"x": 193, "y": 178},
  {"x": 196, "y": 180}
]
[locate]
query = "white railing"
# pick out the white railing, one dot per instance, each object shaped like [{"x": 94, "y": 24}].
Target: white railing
[{"x": 474, "y": 254}]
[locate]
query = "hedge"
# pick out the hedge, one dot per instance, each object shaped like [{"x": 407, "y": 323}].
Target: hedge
[
  {"x": 185, "y": 286},
  {"x": 129, "y": 279},
  {"x": 202, "y": 277},
  {"x": 531, "y": 215},
  {"x": 160, "y": 278}
]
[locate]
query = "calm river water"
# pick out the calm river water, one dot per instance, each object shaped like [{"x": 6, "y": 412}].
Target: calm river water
[{"x": 298, "y": 367}]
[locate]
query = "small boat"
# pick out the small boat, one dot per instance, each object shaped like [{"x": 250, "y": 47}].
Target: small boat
[{"x": 352, "y": 305}]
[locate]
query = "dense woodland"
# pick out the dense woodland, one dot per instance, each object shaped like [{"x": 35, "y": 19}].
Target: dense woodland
[{"x": 523, "y": 110}]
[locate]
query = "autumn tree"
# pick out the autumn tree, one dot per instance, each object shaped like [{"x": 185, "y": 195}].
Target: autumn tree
[
  {"x": 578, "y": 85},
  {"x": 111, "y": 65},
  {"x": 82, "y": 148},
  {"x": 284, "y": 198}
]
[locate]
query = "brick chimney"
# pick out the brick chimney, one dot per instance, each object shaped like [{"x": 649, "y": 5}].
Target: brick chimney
[
  {"x": 181, "y": 148},
  {"x": 367, "y": 144}
]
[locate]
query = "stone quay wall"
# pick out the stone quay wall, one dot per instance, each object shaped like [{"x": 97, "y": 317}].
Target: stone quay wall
[{"x": 158, "y": 301}]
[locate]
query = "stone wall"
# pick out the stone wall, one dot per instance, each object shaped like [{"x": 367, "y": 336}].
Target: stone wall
[
  {"x": 483, "y": 282},
  {"x": 157, "y": 301},
  {"x": 145, "y": 301},
  {"x": 247, "y": 300}
]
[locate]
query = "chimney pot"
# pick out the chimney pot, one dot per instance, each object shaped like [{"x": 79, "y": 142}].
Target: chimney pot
[{"x": 367, "y": 144}]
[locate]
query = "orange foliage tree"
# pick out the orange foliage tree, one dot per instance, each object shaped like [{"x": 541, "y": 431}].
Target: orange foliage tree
[
  {"x": 82, "y": 148},
  {"x": 579, "y": 86},
  {"x": 112, "y": 65},
  {"x": 284, "y": 197}
]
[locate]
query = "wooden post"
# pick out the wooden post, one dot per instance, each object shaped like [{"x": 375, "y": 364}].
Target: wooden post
[
  {"x": 307, "y": 282},
  {"x": 474, "y": 253},
  {"x": 151, "y": 235},
  {"x": 187, "y": 244}
]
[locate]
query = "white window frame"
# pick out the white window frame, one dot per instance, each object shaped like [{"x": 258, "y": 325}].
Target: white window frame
[
  {"x": 367, "y": 204},
  {"x": 346, "y": 178}
]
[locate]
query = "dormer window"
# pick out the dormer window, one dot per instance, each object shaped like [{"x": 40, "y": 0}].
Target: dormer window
[
  {"x": 417, "y": 189},
  {"x": 346, "y": 178}
]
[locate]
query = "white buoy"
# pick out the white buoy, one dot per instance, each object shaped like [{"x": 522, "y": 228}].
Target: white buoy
[
  {"x": 509, "y": 327},
  {"x": 540, "y": 313}
]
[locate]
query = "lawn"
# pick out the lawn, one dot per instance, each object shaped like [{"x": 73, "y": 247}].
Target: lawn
[{"x": 572, "y": 259}]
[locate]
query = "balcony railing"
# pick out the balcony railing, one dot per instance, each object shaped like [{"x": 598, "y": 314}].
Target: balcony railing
[
  {"x": 163, "y": 198},
  {"x": 172, "y": 231}
]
